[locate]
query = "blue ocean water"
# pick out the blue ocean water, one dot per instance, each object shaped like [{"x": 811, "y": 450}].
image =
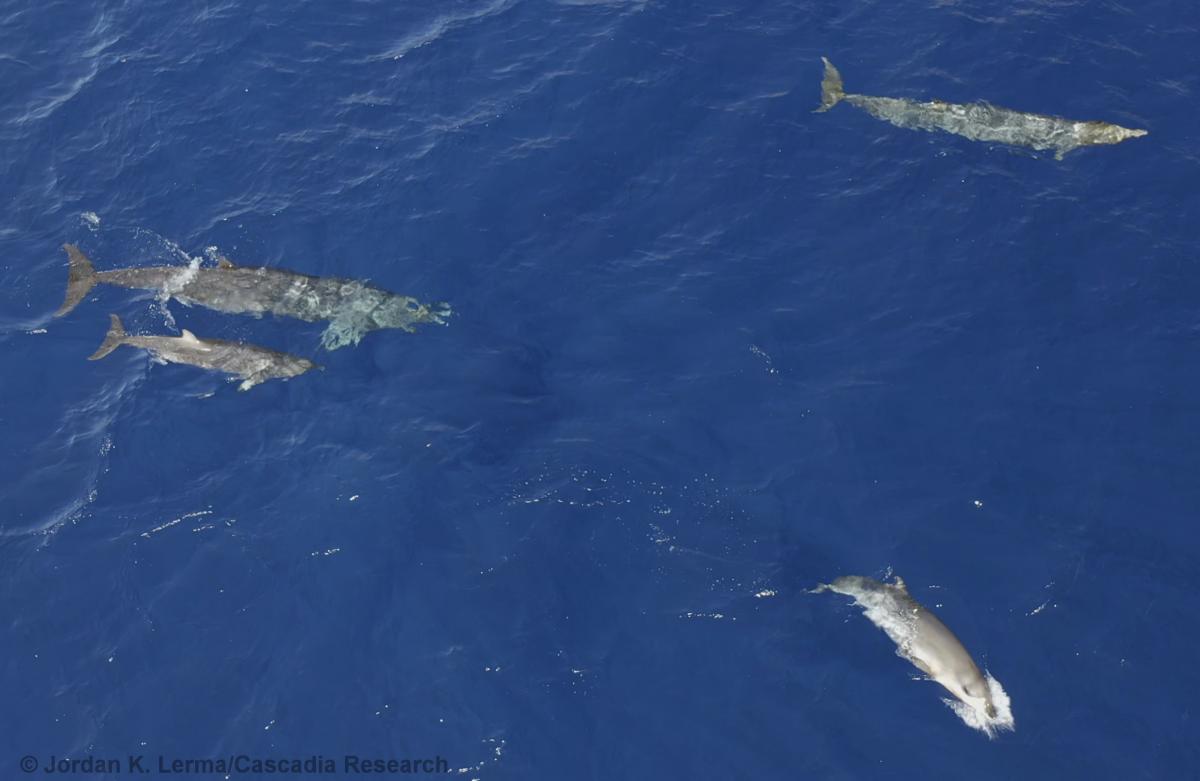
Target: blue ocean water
[{"x": 709, "y": 349}]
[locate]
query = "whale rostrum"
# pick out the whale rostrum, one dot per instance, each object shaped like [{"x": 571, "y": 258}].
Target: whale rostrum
[
  {"x": 977, "y": 121},
  {"x": 931, "y": 647},
  {"x": 251, "y": 363},
  {"x": 352, "y": 307}
]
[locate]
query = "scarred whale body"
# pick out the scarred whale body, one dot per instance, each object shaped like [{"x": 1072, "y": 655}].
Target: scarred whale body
[
  {"x": 978, "y": 121},
  {"x": 251, "y": 363},
  {"x": 352, "y": 307},
  {"x": 922, "y": 639}
]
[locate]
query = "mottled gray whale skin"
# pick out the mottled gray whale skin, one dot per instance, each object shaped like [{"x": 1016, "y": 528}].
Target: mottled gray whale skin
[
  {"x": 920, "y": 637},
  {"x": 251, "y": 363},
  {"x": 978, "y": 121},
  {"x": 353, "y": 308}
]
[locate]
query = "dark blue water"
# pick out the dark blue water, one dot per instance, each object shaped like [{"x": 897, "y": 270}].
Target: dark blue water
[{"x": 709, "y": 349}]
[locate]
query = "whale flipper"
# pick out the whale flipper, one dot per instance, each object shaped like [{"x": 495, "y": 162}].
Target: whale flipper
[
  {"x": 919, "y": 664},
  {"x": 81, "y": 277},
  {"x": 252, "y": 380},
  {"x": 115, "y": 338},
  {"x": 832, "y": 91}
]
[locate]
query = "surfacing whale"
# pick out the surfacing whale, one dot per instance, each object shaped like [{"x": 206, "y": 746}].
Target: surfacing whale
[
  {"x": 922, "y": 639},
  {"x": 251, "y": 363},
  {"x": 352, "y": 307},
  {"x": 977, "y": 121}
]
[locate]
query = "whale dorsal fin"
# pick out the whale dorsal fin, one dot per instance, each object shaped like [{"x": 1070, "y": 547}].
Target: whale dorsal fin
[
  {"x": 191, "y": 340},
  {"x": 224, "y": 262},
  {"x": 898, "y": 582}
]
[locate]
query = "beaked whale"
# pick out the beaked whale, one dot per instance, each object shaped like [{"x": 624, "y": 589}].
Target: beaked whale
[
  {"x": 251, "y": 363},
  {"x": 922, "y": 639},
  {"x": 352, "y": 307},
  {"x": 977, "y": 121}
]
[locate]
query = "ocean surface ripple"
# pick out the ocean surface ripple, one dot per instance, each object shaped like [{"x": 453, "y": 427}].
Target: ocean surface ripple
[{"x": 709, "y": 349}]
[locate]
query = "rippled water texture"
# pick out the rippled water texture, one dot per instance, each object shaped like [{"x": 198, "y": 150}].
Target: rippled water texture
[{"x": 709, "y": 349}]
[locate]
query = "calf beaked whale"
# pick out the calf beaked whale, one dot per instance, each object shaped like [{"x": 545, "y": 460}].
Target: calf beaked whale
[{"x": 249, "y": 362}]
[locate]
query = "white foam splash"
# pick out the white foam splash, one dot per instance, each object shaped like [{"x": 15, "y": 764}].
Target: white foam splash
[
  {"x": 975, "y": 719},
  {"x": 174, "y": 521},
  {"x": 762, "y": 354},
  {"x": 171, "y": 246},
  {"x": 497, "y": 752},
  {"x": 174, "y": 285},
  {"x": 882, "y": 610},
  {"x": 178, "y": 281}
]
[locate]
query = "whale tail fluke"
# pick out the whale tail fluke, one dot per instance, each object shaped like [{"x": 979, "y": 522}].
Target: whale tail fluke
[
  {"x": 115, "y": 338},
  {"x": 831, "y": 87},
  {"x": 80, "y": 279}
]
